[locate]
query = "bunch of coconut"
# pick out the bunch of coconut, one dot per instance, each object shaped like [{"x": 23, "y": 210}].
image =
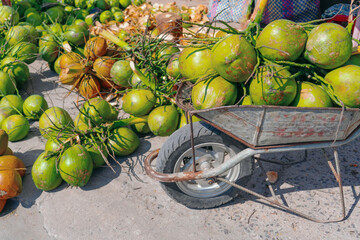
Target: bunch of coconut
[
  {"x": 16, "y": 114},
  {"x": 286, "y": 64},
  {"x": 19, "y": 48},
  {"x": 75, "y": 147}
]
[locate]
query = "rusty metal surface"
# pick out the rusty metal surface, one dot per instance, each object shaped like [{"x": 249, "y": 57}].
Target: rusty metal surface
[
  {"x": 167, "y": 177},
  {"x": 259, "y": 126}
]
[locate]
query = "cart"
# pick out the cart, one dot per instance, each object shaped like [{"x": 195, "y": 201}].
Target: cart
[{"x": 227, "y": 141}]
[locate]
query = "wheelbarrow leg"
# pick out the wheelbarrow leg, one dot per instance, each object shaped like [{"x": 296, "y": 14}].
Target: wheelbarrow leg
[
  {"x": 337, "y": 174},
  {"x": 274, "y": 200},
  {"x": 269, "y": 185}
]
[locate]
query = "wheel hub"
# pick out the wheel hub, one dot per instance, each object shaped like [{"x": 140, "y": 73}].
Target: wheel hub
[{"x": 207, "y": 156}]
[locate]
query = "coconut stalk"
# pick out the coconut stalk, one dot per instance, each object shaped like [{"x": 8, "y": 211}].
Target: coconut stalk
[
  {"x": 7, "y": 169},
  {"x": 112, "y": 38},
  {"x": 142, "y": 77},
  {"x": 257, "y": 15},
  {"x": 95, "y": 134},
  {"x": 127, "y": 122}
]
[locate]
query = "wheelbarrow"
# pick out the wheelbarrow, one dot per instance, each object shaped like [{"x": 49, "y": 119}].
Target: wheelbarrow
[{"x": 202, "y": 164}]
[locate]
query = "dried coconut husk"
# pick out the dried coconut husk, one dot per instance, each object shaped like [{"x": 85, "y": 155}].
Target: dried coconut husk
[
  {"x": 69, "y": 76},
  {"x": 169, "y": 24},
  {"x": 102, "y": 67},
  {"x": 84, "y": 73},
  {"x": 95, "y": 47},
  {"x": 139, "y": 19},
  {"x": 70, "y": 59},
  {"x": 89, "y": 86},
  {"x": 72, "y": 68}
]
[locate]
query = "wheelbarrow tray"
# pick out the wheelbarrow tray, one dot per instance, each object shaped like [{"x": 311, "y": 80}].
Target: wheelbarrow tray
[{"x": 261, "y": 126}]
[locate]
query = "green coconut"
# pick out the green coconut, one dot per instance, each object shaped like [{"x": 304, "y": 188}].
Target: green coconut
[
  {"x": 121, "y": 73},
  {"x": 48, "y": 48},
  {"x": 345, "y": 82},
  {"x": 214, "y": 92},
  {"x": 53, "y": 120},
  {"x": 138, "y": 102},
  {"x": 18, "y": 34},
  {"x": 44, "y": 172},
  {"x": 7, "y": 85},
  {"x": 163, "y": 120},
  {"x": 76, "y": 166},
  {"x": 76, "y": 34},
  {"x": 273, "y": 86},
  {"x": 8, "y": 15},
  {"x": 24, "y": 51},
  {"x": 98, "y": 153},
  {"x": 123, "y": 141},
  {"x": 329, "y": 46},
  {"x": 282, "y": 40},
  {"x": 195, "y": 62},
  {"x": 17, "y": 71},
  {"x": 234, "y": 58},
  {"x": 56, "y": 14},
  {"x": 97, "y": 110},
  {"x": 311, "y": 95}
]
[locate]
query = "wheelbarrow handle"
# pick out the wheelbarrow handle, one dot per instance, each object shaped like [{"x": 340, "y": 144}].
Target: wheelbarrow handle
[
  {"x": 230, "y": 163},
  {"x": 166, "y": 177},
  {"x": 186, "y": 176}
]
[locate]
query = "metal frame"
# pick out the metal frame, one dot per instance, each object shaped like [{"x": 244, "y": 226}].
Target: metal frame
[
  {"x": 212, "y": 174},
  {"x": 352, "y": 132},
  {"x": 248, "y": 152}
]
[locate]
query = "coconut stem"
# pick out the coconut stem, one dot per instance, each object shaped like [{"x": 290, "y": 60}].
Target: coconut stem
[
  {"x": 328, "y": 88},
  {"x": 294, "y": 64},
  {"x": 231, "y": 30},
  {"x": 128, "y": 121},
  {"x": 258, "y": 11},
  {"x": 6, "y": 169},
  {"x": 112, "y": 38},
  {"x": 138, "y": 73}
]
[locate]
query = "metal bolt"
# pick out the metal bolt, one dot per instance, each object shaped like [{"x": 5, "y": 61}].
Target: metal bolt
[{"x": 211, "y": 181}]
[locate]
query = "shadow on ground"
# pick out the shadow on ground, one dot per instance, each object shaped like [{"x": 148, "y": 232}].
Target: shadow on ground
[
  {"x": 129, "y": 165},
  {"x": 100, "y": 177},
  {"x": 308, "y": 183},
  {"x": 30, "y": 193}
]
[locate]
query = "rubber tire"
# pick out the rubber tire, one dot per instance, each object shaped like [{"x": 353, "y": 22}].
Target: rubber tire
[{"x": 178, "y": 143}]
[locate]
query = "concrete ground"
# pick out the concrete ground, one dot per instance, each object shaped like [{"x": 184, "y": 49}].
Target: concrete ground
[{"x": 130, "y": 205}]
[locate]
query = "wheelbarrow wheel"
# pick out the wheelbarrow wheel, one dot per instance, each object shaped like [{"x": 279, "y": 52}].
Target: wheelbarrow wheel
[{"x": 176, "y": 156}]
